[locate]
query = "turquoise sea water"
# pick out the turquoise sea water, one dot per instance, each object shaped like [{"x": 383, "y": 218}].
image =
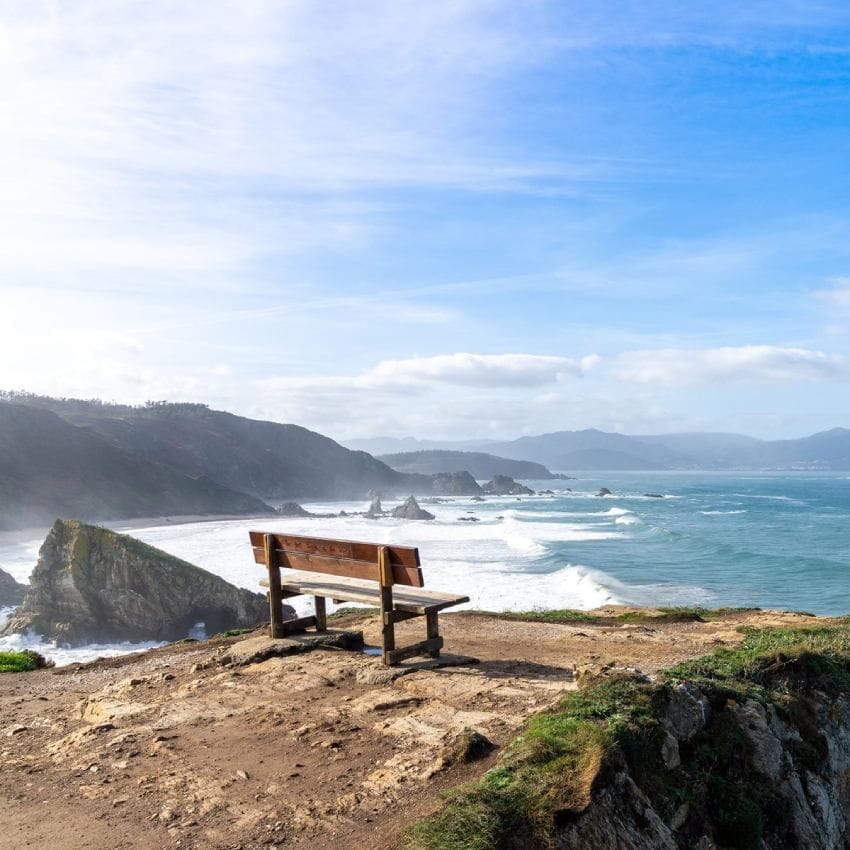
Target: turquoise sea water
[
  {"x": 769, "y": 540},
  {"x": 765, "y": 540}
]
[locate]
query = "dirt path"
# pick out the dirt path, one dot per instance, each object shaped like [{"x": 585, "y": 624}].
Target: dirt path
[{"x": 191, "y": 747}]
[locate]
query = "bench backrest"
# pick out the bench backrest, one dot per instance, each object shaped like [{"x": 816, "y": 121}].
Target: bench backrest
[{"x": 349, "y": 558}]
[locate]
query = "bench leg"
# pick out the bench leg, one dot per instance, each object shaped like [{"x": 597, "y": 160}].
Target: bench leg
[
  {"x": 433, "y": 629},
  {"x": 321, "y": 615}
]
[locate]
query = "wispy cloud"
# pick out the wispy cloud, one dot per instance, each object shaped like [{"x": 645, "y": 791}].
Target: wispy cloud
[{"x": 749, "y": 363}]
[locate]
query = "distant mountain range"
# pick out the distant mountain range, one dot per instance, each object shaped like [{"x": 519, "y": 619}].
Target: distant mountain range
[
  {"x": 568, "y": 451},
  {"x": 94, "y": 461}
]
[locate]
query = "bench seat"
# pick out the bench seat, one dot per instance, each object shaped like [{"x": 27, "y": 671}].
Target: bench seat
[{"x": 415, "y": 600}]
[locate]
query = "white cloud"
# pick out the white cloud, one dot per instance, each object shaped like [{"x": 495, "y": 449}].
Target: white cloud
[
  {"x": 477, "y": 370},
  {"x": 749, "y": 363}
]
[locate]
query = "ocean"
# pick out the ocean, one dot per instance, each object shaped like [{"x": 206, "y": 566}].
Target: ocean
[{"x": 769, "y": 540}]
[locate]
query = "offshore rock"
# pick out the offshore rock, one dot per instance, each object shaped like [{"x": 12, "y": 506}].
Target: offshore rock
[
  {"x": 455, "y": 484},
  {"x": 11, "y": 592},
  {"x": 92, "y": 585},
  {"x": 375, "y": 509},
  {"x": 504, "y": 485},
  {"x": 411, "y": 510}
]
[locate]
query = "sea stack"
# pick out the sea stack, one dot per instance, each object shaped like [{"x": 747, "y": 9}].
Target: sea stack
[
  {"x": 92, "y": 585},
  {"x": 411, "y": 510}
]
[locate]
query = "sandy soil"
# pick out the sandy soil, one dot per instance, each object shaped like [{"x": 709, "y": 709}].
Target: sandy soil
[{"x": 196, "y": 745}]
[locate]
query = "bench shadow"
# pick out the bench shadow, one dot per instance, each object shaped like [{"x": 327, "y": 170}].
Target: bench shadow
[{"x": 508, "y": 668}]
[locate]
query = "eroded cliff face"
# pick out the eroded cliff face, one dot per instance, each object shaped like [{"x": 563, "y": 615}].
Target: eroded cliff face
[
  {"x": 717, "y": 772},
  {"x": 745, "y": 748},
  {"x": 93, "y": 585}
]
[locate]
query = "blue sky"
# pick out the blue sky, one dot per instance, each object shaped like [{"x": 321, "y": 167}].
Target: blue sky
[{"x": 445, "y": 219}]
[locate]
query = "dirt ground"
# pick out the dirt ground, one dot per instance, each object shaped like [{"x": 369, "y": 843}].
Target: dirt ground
[{"x": 202, "y": 745}]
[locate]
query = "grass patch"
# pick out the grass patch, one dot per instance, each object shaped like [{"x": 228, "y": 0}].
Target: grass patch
[
  {"x": 235, "y": 632},
  {"x": 554, "y": 615},
  {"x": 21, "y": 661}
]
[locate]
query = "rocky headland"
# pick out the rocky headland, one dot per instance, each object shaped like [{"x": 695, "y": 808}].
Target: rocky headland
[
  {"x": 92, "y": 585},
  {"x": 504, "y": 485}
]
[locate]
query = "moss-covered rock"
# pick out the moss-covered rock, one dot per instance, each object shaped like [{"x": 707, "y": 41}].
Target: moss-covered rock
[{"x": 93, "y": 585}]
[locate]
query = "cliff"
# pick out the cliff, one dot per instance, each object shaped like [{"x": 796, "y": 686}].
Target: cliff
[{"x": 92, "y": 585}]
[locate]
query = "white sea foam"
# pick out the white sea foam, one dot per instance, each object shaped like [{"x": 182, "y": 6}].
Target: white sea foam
[
  {"x": 723, "y": 513},
  {"x": 627, "y": 519},
  {"x": 617, "y": 512},
  {"x": 61, "y": 655}
]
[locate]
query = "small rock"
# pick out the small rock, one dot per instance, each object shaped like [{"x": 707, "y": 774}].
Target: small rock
[{"x": 241, "y": 774}]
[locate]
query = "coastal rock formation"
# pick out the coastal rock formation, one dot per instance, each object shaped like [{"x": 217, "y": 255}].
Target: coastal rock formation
[
  {"x": 295, "y": 511},
  {"x": 92, "y": 585},
  {"x": 411, "y": 510},
  {"x": 603, "y": 491},
  {"x": 455, "y": 484},
  {"x": 504, "y": 485},
  {"x": 375, "y": 509},
  {"x": 11, "y": 592}
]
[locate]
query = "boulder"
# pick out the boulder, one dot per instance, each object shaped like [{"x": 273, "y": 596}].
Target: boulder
[
  {"x": 11, "y": 592},
  {"x": 504, "y": 485},
  {"x": 411, "y": 510},
  {"x": 604, "y": 491},
  {"x": 92, "y": 585}
]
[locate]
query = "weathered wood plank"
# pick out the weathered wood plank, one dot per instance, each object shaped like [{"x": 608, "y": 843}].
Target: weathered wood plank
[
  {"x": 407, "y": 556},
  {"x": 415, "y": 600},
  {"x": 299, "y": 624},
  {"x": 425, "y": 647},
  {"x": 321, "y": 614},
  {"x": 387, "y": 622},
  {"x": 275, "y": 598},
  {"x": 330, "y": 565}
]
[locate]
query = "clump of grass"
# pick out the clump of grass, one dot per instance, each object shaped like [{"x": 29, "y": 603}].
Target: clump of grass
[
  {"x": 768, "y": 659},
  {"x": 554, "y": 615},
  {"x": 235, "y": 632},
  {"x": 21, "y": 661}
]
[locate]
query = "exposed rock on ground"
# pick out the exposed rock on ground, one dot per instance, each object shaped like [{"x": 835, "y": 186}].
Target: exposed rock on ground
[
  {"x": 504, "y": 485},
  {"x": 11, "y": 591},
  {"x": 219, "y": 745},
  {"x": 92, "y": 585},
  {"x": 411, "y": 510}
]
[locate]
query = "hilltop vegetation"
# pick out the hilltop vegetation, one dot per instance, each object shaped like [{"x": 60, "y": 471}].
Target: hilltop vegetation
[{"x": 89, "y": 459}]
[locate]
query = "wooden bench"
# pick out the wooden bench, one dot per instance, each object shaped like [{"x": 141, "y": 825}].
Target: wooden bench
[{"x": 389, "y": 577}]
